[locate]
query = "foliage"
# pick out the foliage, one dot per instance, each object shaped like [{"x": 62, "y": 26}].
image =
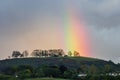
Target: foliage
[
  {"x": 58, "y": 67},
  {"x": 39, "y": 73},
  {"x": 46, "y": 79},
  {"x": 51, "y": 71},
  {"x": 70, "y": 74},
  {"x": 104, "y": 77},
  {"x": 63, "y": 68},
  {"x": 24, "y": 74},
  {"x": 6, "y": 77}
]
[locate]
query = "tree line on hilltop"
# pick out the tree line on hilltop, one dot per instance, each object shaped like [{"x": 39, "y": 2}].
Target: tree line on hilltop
[{"x": 44, "y": 53}]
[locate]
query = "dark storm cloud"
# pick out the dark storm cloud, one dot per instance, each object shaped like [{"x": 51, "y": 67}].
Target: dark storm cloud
[
  {"x": 102, "y": 13},
  {"x": 103, "y": 19}
]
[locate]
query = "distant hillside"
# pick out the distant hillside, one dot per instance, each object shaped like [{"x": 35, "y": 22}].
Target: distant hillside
[
  {"x": 69, "y": 62},
  {"x": 72, "y": 68}
]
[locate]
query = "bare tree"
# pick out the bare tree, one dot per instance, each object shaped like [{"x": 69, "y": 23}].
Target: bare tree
[
  {"x": 9, "y": 57},
  {"x": 44, "y": 53},
  {"x": 48, "y": 53},
  {"x": 76, "y": 53},
  {"x": 25, "y": 53},
  {"x": 61, "y": 52},
  {"x": 37, "y": 53},
  {"x": 69, "y": 53},
  {"x": 16, "y": 54},
  {"x": 56, "y": 52}
]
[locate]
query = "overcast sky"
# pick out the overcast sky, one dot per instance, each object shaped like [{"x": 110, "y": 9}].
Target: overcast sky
[{"x": 36, "y": 24}]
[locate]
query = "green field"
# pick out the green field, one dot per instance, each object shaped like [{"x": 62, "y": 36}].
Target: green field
[{"x": 46, "y": 79}]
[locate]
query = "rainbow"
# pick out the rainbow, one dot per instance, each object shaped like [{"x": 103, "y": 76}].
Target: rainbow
[{"x": 76, "y": 35}]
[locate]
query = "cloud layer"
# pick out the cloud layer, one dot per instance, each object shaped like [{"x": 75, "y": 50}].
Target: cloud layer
[{"x": 23, "y": 21}]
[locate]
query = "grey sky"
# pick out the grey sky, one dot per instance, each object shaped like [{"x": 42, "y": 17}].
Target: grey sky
[{"x": 23, "y": 23}]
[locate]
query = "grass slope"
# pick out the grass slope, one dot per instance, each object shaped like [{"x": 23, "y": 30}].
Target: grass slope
[
  {"x": 46, "y": 79},
  {"x": 70, "y": 62}
]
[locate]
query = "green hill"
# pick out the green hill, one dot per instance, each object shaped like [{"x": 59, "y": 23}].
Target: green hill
[
  {"x": 69, "y": 62},
  {"x": 35, "y": 68}
]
